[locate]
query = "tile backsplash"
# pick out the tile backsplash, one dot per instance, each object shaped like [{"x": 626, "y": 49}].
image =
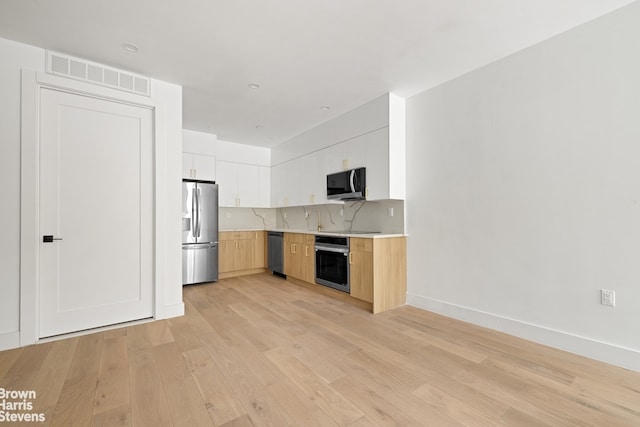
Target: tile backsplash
[
  {"x": 246, "y": 218},
  {"x": 383, "y": 216}
]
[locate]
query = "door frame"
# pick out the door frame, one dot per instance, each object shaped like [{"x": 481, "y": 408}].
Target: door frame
[{"x": 32, "y": 83}]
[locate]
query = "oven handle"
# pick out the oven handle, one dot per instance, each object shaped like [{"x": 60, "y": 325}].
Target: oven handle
[{"x": 330, "y": 249}]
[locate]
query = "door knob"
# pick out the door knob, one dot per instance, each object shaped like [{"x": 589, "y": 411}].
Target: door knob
[{"x": 50, "y": 238}]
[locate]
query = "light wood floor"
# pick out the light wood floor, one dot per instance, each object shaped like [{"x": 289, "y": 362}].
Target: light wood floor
[{"x": 259, "y": 350}]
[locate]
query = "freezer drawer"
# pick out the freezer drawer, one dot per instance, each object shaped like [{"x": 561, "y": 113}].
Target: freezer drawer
[{"x": 199, "y": 263}]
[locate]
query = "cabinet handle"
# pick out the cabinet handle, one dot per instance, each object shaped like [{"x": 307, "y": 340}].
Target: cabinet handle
[
  {"x": 350, "y": 253},
  {"x": 306, "y": 251},
  {"x": 237, "y": 244}
]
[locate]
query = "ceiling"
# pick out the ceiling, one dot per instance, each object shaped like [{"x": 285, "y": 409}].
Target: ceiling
[{"x": 304, "y": 54}]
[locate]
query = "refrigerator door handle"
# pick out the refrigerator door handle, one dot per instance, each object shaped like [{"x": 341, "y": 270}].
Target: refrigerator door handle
[
  {"x": 199, "y": 212},
  {"x": 193, "y": 214}
]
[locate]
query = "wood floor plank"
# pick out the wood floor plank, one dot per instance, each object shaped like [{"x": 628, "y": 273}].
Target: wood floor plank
[
  {"x": 243, "y": 421},
  {"x": 337, "y": 406},
  {"x": 259, "y": 351},
  {"x": 184, "y": 335},
  {"x": 159, "y": 333},
  {"x": 149, "y": 405},
  {"x": 301, "y": 409},
  {"x": 455, "y": 408},
  {"x": 7, "y": 359},
  {"x": 25, "y": 368},
  {"x": 112, "y": 389},
  {"x": 75, "y": 405},
  {"x": 114, "y": 417},
  {"x": 377, "y": 408},
  {"x": 186, "y": 404},
  {"x": 51, "y": 376},
  {"x": 222, "y": 404},
  {"x": 256, "y": 400}
]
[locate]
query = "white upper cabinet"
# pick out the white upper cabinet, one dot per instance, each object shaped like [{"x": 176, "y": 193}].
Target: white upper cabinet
[
  {"x": 198, "y": 166},
  {"x": 242, "y": 172},
  {"x": 278, "y": 184},
  {"x": 227, "y": 183},
  {"x": 371, "y": 136},
  {"x": 310, "y": 188},
  {"x": 243, "y": 185},
  {"x": 377, "y": 164}
]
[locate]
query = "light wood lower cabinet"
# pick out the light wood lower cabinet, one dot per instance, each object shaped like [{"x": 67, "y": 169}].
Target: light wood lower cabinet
[
  {"x": 299, "y": 256},
  {"x": 361, "y": 268},
  {"x": 241, "y": 252},
  {"x": 378, "y": 271}
]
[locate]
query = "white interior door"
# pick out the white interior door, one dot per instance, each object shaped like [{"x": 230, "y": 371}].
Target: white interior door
[{"x": 96, "y": 195}]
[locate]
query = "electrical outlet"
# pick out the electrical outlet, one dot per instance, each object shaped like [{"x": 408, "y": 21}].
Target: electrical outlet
[
  {"x": 228, "y": 214},
  {"x": 608, "y": 297}
]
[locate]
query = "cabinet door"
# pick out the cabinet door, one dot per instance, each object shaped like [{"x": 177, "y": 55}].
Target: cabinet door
[
  {"x": 245, "y": 254},
  {"x": 309, "y": 181},
  {"x": 278, "y": 183},
  {"x": 248, "y": 184},
  {"x": 356, "y": 151},
  {"x": 264, "y": 187},
  {"x": 227, "y": 173},
  {"x": 187, "y": 165},
  {"x": 226, "y": 255},
  {"x": 361, "y": 268},
  {"x": 332, "y": 159},
  {"x": 204, "y": 167},
  {"x": 290, "y": 255},
  {"x": 293, "y": 196},
  {"x": 260, "y": 250},
  {"x": 378, "y": 165},
  {"x": 308, "y": 263}
]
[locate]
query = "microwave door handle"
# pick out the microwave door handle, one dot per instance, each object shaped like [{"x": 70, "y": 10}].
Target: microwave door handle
[{"x": 352, "y": 179}]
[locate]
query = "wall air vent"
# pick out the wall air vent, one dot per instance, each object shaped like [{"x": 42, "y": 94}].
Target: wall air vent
[{"x": 91, "y": 72}]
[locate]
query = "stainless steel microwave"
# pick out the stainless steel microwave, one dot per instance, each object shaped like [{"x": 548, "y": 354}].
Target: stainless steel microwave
[{"x": 347, "y": 185}]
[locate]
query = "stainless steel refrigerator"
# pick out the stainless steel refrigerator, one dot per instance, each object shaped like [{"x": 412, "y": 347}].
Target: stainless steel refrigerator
[{"x": 199, "y": 231}]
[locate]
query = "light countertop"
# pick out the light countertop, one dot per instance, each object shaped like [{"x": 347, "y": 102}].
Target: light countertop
[{"x": 323, "y": 232}]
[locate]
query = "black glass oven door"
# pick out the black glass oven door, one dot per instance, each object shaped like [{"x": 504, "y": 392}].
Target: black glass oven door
[{"x": 332, "y": 269}]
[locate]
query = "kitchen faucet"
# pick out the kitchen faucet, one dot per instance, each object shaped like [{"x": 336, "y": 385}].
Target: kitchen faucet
[{"x": 308, "y": 214}]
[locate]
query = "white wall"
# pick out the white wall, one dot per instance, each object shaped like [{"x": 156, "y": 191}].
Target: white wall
[
  {"x": 523, "y": 192},
  {"x": 168, "y": 100},
  {"x": 14, "y": 56}
]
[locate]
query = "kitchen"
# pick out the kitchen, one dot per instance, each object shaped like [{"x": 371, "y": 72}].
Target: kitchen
[
  {"x": 519, "y": 210},
  {"x": 369, "y": 137}
]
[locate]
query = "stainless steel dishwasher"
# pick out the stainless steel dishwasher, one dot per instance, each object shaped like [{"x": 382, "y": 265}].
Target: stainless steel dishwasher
[{"x": 275, "y": 255}]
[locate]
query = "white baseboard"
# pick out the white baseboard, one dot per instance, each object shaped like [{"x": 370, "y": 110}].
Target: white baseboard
[
  {"x": 9, "y": 340},
  {"x": 169, "y": 311},
  {"x": 604, "y": 352}
]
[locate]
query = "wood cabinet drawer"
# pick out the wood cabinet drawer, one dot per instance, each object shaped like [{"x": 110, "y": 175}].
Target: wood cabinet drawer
[
  {"x": 360, "y": 244},
  {"x": 238, "y": 235}
]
